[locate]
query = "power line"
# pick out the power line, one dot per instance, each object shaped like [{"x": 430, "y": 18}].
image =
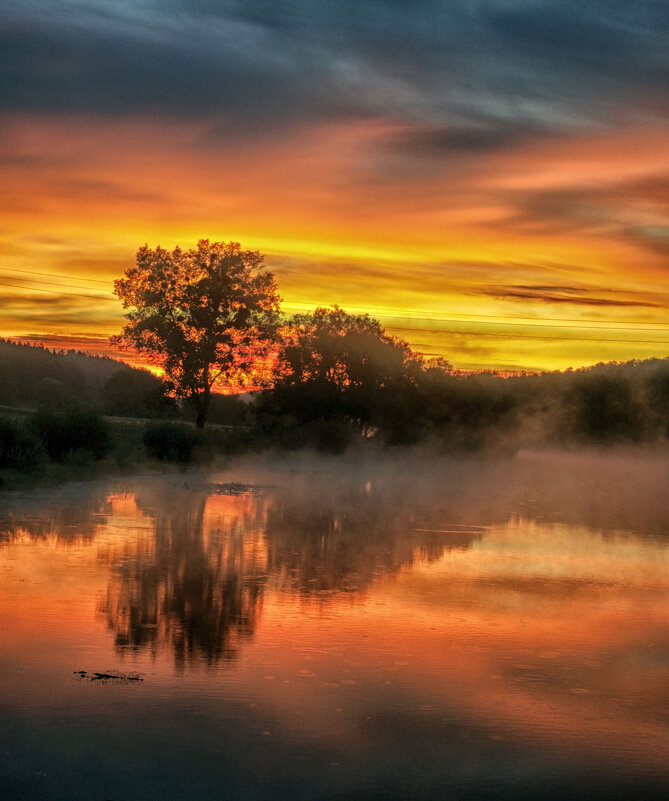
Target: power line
[
  {"x": 538, "y": 325},
  {"x": 54, "y": 275},
  {"x": 407, "y": 312},
  {"x": 528, "y": 324},
  {"x": 429, "y": 319},
  {"x": 634, "y": 325},
  {"x": 53, "y": 291},
  {"x": 540, "y": 336},
  {"x": 30, "y": 281}
]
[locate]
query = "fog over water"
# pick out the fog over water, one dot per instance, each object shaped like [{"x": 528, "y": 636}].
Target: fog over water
[{"x": 350, "y": 627}]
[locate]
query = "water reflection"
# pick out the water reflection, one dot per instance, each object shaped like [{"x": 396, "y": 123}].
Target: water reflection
[
  {"x": 190, "y": 560},
  {"x": 337, "y": 534},
  {"x": 73, "y": 515},
  {"x": 194, "y": 580},
  {"x": 464, "y": 629},
  {"x": 197, "y": 577}
]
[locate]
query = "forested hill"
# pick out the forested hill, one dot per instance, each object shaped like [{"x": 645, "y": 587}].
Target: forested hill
[
  {"x": 607, "y": 403},
  {"x": 32, "y": 375}
]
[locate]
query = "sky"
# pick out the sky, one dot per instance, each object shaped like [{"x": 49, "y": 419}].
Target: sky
[{"x": 489, "y": 178}]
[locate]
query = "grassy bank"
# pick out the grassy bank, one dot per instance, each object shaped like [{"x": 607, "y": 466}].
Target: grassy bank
[{"x": 46, "y": 447}]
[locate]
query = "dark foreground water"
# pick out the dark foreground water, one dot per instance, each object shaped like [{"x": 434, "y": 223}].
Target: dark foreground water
[{"x": 326, "y": 630}]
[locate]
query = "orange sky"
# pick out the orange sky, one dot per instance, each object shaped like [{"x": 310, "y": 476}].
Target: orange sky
[{"x": 506, "y": 230}]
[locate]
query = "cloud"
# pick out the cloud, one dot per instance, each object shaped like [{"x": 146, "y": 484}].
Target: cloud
[
  {"x": 628, "y": 209},
  {"x": 561, "y": 294},
  {"x": 478, "y": 136},
  {"x": 421, "y": 156},
  {"x": 491, "y": 70},
  {"x": 652, "y": 237}
]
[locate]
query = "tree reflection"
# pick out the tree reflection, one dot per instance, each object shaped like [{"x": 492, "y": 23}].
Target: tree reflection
[
  {"x": 71, "y": 518},
  {"x": 191, "y": 564},
  {"x": 198, "y": 581},
  {"x": 340, "y": 534}
]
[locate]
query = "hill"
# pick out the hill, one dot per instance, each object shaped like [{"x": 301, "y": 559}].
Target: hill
[{"x": 32, "y": 375}]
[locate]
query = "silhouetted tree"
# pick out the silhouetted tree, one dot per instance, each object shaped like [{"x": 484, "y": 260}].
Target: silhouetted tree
[
  {"x": 657, "y": 398},
  {"x": 603, "y": 408},
  {"x": 135, "y": 393},
  {"x": 204, "y": 315},
  {"x": 335, "y": 366},
  {"x": 75, "y": 429},
  {"x": 32, "y": 375},
  {"x": 20, "y": 449}
]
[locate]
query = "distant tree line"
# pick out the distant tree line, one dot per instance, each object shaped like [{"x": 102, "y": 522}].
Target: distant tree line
[
  {"x": 331, "y": 380},
  {"x": 338, "y": 381},
  {"x": 207, "y": 316}
]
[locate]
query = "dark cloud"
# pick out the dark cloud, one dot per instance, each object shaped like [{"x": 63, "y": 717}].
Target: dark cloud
[
  {"x": 652, "y": 237},
  {"x": 610, "y": 209},
  {"x": 482, "y": 135},
  {"x": 575, "y": 208},
  {"x": 548, "y": 288},
  {"x": 476, "y": 74},
  {"x": 558, "y": 294},
  {"x": 67, "y": 67}
]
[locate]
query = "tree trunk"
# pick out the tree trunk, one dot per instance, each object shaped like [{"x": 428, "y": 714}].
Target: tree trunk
[{"x": 202, "y": 408}]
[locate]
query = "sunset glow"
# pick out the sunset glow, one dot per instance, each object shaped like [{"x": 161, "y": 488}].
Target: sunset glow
[{"x": 497, "y": 192}]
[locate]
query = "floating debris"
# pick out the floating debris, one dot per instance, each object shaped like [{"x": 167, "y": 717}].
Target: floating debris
[
  {"x": 105, "y": 677},
  {"x": 228, "y": 488}
]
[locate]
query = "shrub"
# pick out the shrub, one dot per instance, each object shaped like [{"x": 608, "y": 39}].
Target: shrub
[
  {"x": 135, "y": 393},
  {"x": 72, "y": 430},
  {"x": 229, "y": 410},
  {"x": 170, "y": 442},
  {"x": 330, "y": 436},
  {"x": 20, "y": 449},
  {"x": 604, "y": 410}
]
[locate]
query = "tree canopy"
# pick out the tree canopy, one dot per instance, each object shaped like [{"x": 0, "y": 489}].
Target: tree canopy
[
  {"x": 333, "y": 347},
  {"x": 338, "y": 366},
  {"x": 204, "y": 315}
]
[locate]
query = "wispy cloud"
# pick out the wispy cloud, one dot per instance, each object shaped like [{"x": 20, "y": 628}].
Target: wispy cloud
[
  {"x": 476, "y": 157},
  {"x": 561, "y": 294}
]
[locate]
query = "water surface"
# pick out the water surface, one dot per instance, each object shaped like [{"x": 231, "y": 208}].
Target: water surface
[{"x": 353, "y": 630}]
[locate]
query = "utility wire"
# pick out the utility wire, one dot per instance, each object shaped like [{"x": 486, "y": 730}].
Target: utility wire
[
  {"x": 54, "y": 275},
  {"x": 536, "y": 325},
  {"x": 499, "y": 319},
  {"x": 424, "y": 319},
  {"x": 30, "y": 281},
  {"x": 541, "y": 336},
  {"x": 392, "y": 311},
  {"x": 53, "y": 291},
  {"x": 405, "y": 314},
  {"x": 529, "y": 324}
]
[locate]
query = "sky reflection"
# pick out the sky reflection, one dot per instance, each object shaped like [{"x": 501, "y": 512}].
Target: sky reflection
[{"x": 412, "y": 629}]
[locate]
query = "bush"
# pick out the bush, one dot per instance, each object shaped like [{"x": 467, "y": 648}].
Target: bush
[
  {"x": 330, "y": 436},
  {"x": 135, "y": 393},
  {"x": 226, "y": 441},
  {"x": 72, "y": 430},
  {"x": 603, "y": 410},
  {"x": 20, "y": 449},
  {"x": 229, "y": 410},
  {"x": 170, "y": 442}
]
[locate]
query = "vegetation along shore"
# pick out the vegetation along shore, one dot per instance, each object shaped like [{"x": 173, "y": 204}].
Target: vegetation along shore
[{"x": 236, "y": 375}]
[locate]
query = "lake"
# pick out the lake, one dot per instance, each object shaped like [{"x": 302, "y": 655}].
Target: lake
[{"x": 399, "y": 628}]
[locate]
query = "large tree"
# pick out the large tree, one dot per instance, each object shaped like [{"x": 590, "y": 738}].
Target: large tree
[
  {"x": 335, "y": 365},
  {"x": 206, "y": 316}
]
